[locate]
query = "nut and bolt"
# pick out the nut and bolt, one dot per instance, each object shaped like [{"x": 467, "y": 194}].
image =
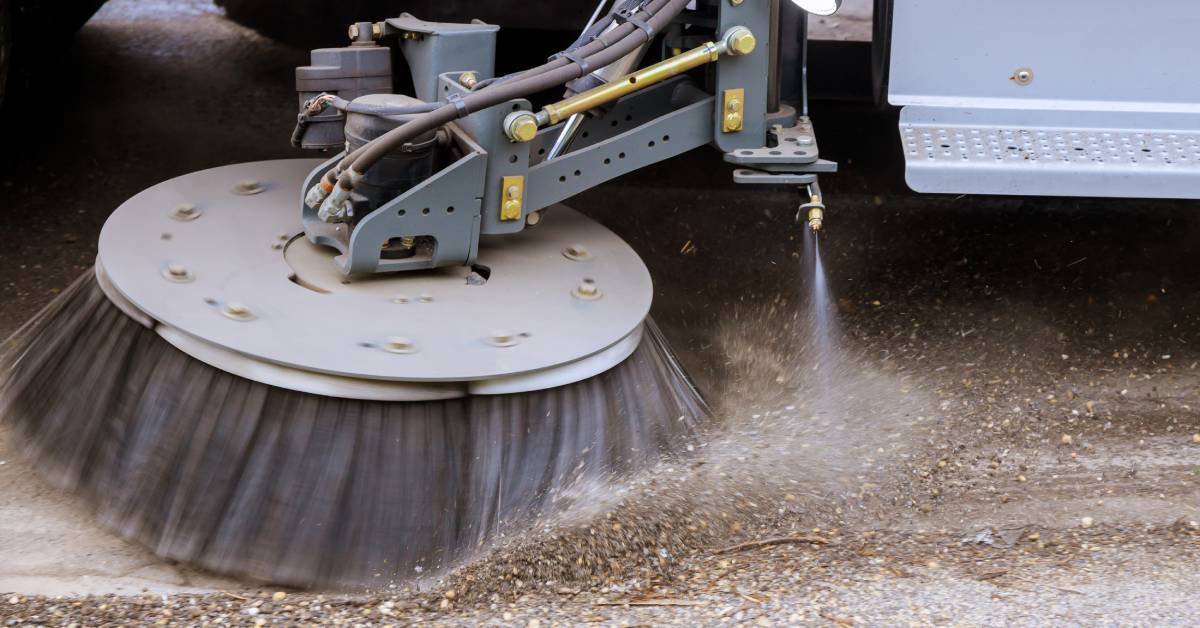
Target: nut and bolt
[
  {"x": 249, "y": 187},
  {"x": 237, "y": 311},
  {"x": 587, "y": 290},
  {"x": 178, "y": 273},
  {"x": 521, "y": 126},
  {"x": 186, "y": 212},
  {"x": 577, "y": 252},
  {"x": 741, "y": 41},
  {"x": 400, "y": 345},
  {"x": 468, "y": 80}
]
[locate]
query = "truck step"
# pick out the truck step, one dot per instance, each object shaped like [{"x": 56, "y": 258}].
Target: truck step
[{"x": 1131, "y": 154}]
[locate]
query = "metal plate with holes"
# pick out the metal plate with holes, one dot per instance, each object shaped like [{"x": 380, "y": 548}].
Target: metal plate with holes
[
  {"x": 1063, "y": 153},
  {"x": 794, "y": 145},
  {"x": 261, "y": 293}
]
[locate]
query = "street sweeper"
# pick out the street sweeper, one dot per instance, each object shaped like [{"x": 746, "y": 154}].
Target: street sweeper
[{"x": 352, "y": 369}]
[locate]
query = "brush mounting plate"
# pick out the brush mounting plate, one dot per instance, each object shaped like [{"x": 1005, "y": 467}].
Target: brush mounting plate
[{"x": 217, "y": 262}]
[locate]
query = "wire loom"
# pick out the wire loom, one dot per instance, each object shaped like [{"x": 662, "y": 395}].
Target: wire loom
[{"x": 250, "y": 480}]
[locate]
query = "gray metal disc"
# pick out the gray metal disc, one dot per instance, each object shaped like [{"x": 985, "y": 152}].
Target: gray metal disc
[{"x": 215, "y": 260}]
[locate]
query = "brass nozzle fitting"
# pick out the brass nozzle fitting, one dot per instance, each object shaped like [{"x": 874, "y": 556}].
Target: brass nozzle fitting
[{"x": 816, "y": 218}]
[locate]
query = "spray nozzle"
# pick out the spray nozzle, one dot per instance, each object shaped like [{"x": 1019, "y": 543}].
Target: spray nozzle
[{"x": 814, "y": 209}]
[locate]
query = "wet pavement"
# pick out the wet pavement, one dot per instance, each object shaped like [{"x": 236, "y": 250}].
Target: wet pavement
[{"x": 1016, "y": 364}]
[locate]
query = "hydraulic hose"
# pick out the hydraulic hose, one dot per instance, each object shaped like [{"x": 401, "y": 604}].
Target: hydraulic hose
[{"x": 600, "y": 52}]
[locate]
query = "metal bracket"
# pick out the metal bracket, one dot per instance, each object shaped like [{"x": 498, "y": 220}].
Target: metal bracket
[
  {"x": 434, "y": 48},
  {"x": 748, "y": 72}
]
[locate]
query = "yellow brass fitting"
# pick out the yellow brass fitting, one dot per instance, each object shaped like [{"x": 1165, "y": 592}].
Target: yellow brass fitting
[
  {"x": 816, "y": 219},
  {"x": 468, "y": 80},
  {"x": 740, "y": 41},
  {"x": 521, "y": 126}
]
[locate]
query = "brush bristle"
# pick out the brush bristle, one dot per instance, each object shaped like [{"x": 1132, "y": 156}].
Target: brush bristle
[{"x": 246, "y": 479}]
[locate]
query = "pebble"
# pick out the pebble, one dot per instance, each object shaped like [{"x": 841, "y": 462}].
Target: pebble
[
  {"x": 1086, "y": 522},
  {"x": 1196, "y": 438},
  {"x": 279, "y": 596}
]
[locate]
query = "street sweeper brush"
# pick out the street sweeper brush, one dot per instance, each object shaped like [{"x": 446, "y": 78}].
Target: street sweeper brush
[{"x": 358, "y": 370}]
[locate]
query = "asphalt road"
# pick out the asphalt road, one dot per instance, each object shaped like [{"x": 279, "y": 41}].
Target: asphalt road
[{"x": 1008, "y": 434}]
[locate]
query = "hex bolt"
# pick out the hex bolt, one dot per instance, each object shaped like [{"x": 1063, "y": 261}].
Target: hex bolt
[
  {"x": 249, "y": 187},
  {"x": 577, "y": 252},
  {"x": 186, "y": 212},
  {"x": 400, "y": 345},
  {"x": 178, "y": 273},
  {"x": 587, "y": 290}
]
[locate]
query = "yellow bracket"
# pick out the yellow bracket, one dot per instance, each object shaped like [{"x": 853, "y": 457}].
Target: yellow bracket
[
  {"x": 733, "y": 110},
  {"x": 512, "y": 198}
]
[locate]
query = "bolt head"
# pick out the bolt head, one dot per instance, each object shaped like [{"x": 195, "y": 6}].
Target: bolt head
[
  {"x": 742, "y": 42},
  {"x": 503, "y": 339},
  {"x": 237, "y": 311},
  {"x": 178, "y": 273},
  {"x": 522, "y": 127},
  {"x": 425, "y": 298},
  {"x": 533, "y": 219},
  {"x": 468, "y": 79},
  {"x": 185, "y": 212},
  {"x": 577, "y": 252},
  {"x": 249, "y": 187},
  {"x": 733, "y": 121},
  {"x": 587, "y": 290},
  {"x": 399, "y": 345},
  {"x": 1023, "y": 76}
]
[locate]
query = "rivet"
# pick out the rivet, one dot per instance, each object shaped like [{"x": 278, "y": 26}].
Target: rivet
[
  {"x": 237, "y": 312},
  {"x": 399, "y": 344},
  {"x": 587, "y": 290},
  {"x": 249, "y": 187},
  {"x": 186, "y": 212},
  {"x": 503, "y": 339},
  {"x": 177, "y": 273},
  {"x": 1023, "y": 76},
  {"x": 533, "y": 219},
  {"x": 577, "y": 252}
]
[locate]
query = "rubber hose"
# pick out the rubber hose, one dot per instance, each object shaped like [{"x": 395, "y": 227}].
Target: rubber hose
[{"x": 598, "y": 53}]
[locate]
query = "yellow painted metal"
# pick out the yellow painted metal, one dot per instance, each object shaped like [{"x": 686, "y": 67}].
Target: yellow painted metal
[
  {"x": 512, "y": 198},
  {"x": 733, "y": 110},
  {"x": 657, "y": 73}
]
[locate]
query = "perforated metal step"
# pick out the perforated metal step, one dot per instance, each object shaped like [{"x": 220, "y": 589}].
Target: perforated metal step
[{"x": 1054, "y": 153}]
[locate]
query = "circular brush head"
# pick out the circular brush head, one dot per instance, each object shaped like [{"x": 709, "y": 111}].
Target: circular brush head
[{"x": 246, "y": 479}]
